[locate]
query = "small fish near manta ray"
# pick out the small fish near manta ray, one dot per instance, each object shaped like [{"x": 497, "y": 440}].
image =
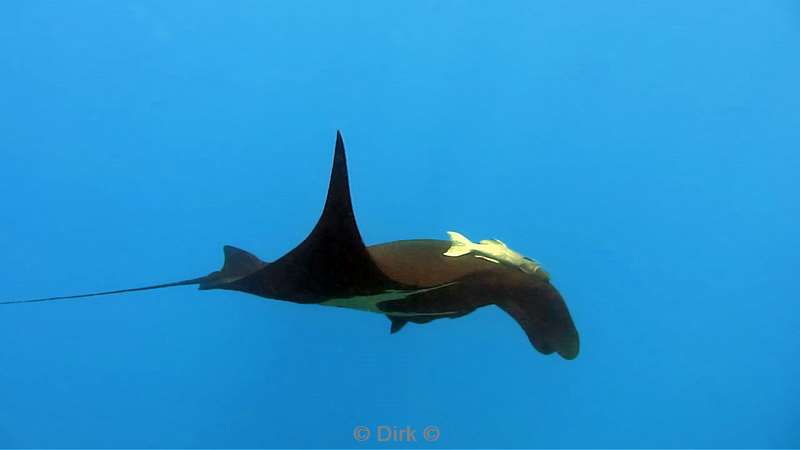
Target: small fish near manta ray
[{"x": 409, "y": 281}]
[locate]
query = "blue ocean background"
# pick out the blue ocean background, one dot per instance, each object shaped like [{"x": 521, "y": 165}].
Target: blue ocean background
[{"x": 645, "y": 152}]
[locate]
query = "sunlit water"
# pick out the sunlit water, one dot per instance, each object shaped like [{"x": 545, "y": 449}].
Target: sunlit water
[{"x": 646, "y": 154}]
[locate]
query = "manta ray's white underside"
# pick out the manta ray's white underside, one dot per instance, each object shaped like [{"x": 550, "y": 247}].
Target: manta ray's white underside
[{"x": 370, "y": 302}]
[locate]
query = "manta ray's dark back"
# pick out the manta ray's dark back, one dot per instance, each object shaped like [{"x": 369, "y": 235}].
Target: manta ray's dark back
[{"x": 332, "y": 262}]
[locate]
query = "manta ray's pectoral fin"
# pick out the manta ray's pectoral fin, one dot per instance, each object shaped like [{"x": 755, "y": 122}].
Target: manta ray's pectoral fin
[
  {"x": 397, "y": 323},
  {"x": 332, "y": 262}
]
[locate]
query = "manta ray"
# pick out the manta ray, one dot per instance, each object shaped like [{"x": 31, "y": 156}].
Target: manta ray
[{"x": 418, "y": 281}]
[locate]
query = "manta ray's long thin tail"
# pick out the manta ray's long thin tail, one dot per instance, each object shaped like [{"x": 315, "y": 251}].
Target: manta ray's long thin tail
[{"x": 119, "y": 291}]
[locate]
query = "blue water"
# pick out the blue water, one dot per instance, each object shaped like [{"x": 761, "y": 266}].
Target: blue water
[{"x": 646, "y": 153}]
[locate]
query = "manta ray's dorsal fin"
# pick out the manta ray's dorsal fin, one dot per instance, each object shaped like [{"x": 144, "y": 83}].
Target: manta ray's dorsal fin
[{"x": 332, "y": 262}]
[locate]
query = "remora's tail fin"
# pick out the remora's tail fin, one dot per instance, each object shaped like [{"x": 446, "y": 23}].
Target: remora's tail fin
[
  {"x": 119, "y": 291},
  {"x": 460, "y": 245}
]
